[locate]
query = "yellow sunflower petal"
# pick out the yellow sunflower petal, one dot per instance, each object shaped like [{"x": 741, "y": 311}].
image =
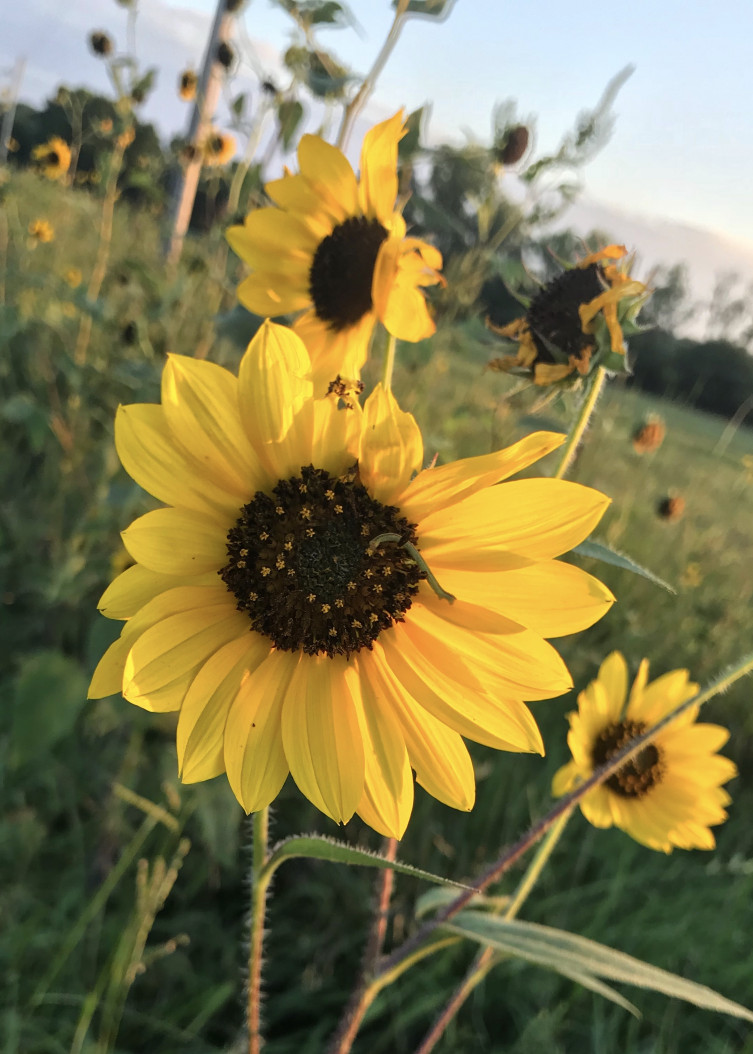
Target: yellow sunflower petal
[
  {"x": 200, "y": 401},
  {"x": 321, "y": 736},
  {"x": 610, "y": 252},
  {"x": 134, "y": 588},
  {"x": 270, "y": 294},
  {"x": 391, "y": 446},
  {"x": 175, "y": 646},
  {"x": 387, "y": 799},
  {"x": 437, "y": 754},
  {"x": 377, "y": 189},
  {"x": 545, "y": 373},
  {"x": 269, "y": 233},
  {"x": 328, "y": 172},
  {"x": 201, "y": 725},
  {"x": 334, "y": 353},
  {"x": 536, "y": 518},
  {"x": 551, "y": 598},
  {"x": 597, "y": 807},
  {"x": 273, "y": 386},
  {"x": 151, "y": 455},
  {"x": 438, "y": 488},
  {"x": 254, "y": 756},
  {"x": 177, "y": 541},
  {"x": 565, "y": 779},
  {"x": 662, "y": 695},
  {"x": 296, "y": 194},
  {"x": 613, "y": 676},
  {"x": 505, "y": 724},
  {"x": 406, "y": 314}
]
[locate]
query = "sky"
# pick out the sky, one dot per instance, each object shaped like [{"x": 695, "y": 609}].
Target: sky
[{"x": 683, "y": 144}]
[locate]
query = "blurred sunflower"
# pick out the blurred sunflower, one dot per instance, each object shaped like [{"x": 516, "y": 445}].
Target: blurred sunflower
[
  {"x": 670, "y": 793},
  {"x": 53, "y": 158},
  {"x": 577, "y": 320},
  {"x": 281, "y": 604},
  {"x": 337, "y": 250},
  {"x": 40, "y": 231},
  {"x": 218, "y": 148},
  {"x": 187, "y": 85}
]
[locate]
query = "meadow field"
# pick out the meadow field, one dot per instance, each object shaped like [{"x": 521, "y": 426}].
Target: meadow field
[{"x": 123, "y": 893}]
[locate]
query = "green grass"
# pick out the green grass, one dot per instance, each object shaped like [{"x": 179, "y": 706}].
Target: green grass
[{"x": 71, "y": 899}]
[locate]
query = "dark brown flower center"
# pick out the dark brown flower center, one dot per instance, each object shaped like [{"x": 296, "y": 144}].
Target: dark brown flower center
[
  {"x": 553, "y": 314},
  {"x": 301, "y": 564},
  {"x": 641, "y": 772},
  {"x": 342, "y": 271}
]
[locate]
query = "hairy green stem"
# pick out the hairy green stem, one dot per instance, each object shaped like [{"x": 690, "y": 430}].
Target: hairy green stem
[
  {"x": 259, "y": 886},
  {"x": 576, "y": 432}
]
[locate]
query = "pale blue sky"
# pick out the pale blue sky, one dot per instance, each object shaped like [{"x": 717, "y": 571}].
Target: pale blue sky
[{"x": 683, "y": 144}]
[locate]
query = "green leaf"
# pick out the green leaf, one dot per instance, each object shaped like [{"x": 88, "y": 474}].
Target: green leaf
[
  {"x": 409, "y": 144},
  {"x": 607, "y": 555},
  {"x": 582, "y": 959},
  {"x": 318, "y": 847},
  {"x": 50, "y": 691},
  {"x": 238, "y": 105},
  {"x": 436, "y": 899},
  {"x": 428, "y": 8},
  {"x": 290, "y": 115}
]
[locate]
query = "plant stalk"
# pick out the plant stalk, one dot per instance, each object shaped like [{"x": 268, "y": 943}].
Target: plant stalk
[
  {"x": 576, "y": 432},
  {"x": 259, "y": 887}
]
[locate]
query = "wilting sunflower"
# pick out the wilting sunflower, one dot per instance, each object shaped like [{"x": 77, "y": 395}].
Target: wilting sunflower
[
  {"x": 53, "y": 158},
  {"x": 40, "y": 231},
  {"x": 281, "y": 601},
  {"x": 577, "y": 320},
  {"x": 670, "y": 793},
  {"x": 218, "y": 148},
  {"x": 337, "y": 250}
]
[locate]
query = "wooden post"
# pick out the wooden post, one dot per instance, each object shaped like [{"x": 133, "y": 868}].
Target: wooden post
[
  {"x": 205, "y": 104},
  {"x": 6, "y": 129}
]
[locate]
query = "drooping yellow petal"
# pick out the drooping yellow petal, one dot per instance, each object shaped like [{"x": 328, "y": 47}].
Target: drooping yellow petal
[
  {"x": 438, "y": 755},
  {"x": 391, "y": 446},
  {"x": 321, "y": 736},
  {"x": 536, "y": 518},
  {"x": 387, "y": 799},
  {"x": 200, "y": 401},
  {"x": 203, "y": 715},
  {"x": 438, "y": 488},
  {"x": 333, "y": 352},
  {"x": 377, "y": 188},
  {"x": 178, "y": 541},
  {"x": 254, "y": 756},
  {"x": 152, "y": 456}
]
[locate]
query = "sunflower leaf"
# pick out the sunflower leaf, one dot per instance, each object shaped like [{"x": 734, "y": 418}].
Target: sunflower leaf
[
  {"x": 318, "y": 847},
  {"x": 584, "y": 960},
  {"x": 607, "y": 555}
]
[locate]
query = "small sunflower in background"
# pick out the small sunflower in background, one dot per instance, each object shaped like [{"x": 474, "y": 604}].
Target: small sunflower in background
[
  {"x": 40, "y": 231},
  {"x": 672, "y": 508},
  {"x": 576, "y": 321},
  {"x": 218, "y": 148},
  {"x": 293, "y": 602},
  {"x": 670, "y": 793},
  {"x": 336, "y": 250},
  {"x": 187, "y": 85},
  {"x": 53, "y": 158},
  {"x": 649, "y": 436}
]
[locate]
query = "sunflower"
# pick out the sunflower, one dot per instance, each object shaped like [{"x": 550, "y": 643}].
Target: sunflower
[
  {"x": 577, "y": 320},
  {"x": 337, "y": 250},
  {"x": 669, "y": 794},
  {"x": 218, "y": 148},
  {"x": 40, "y": 231},
  {"x": 53, "y": 158},
  {"x": 187, "y": 84},
  {"x": 282, "y": 603}
]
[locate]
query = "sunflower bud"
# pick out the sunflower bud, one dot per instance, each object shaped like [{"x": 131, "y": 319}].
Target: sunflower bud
[
  {"x": 671, "y": 508},
  {"x": 187, "y": 85},
  {"x": 100, "y": 43},
  {"x": 649, "y": 436},
  {"x": 513, "y": 145},
  {"x": 225, "y": 55}
]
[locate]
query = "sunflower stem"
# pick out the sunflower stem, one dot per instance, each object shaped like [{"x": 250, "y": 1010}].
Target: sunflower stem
[
  {"x": 487, "y": 959},
  {"x": 576, "y": 432},
  {"x": 389, "y": 362},
  {"x": 564, "y": 806},
  {"x": 259, "y": 887}
]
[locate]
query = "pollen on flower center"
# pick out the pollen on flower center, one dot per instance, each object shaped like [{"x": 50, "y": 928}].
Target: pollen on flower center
[
  {"x": 553, "y": 314},
  {"x": 641, "y": 772},
  {"x": 342, "y": 271},
  {"x": 301, "y": 565}
]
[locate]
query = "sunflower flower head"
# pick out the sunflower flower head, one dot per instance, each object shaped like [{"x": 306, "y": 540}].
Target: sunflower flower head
[
  {"x": 281, "y": 601},
  {"x": 218, "y": 148},
  {"x": 335, "y": 249},
  {"x": 670, "y": 793},
  {"x": 53, "y": 158},
  {"x": 576, "y": 321},
  {"x": 40, "y": 231},
  {"x": 649, "y": 435},
  {"x": 187, "y": 84}
]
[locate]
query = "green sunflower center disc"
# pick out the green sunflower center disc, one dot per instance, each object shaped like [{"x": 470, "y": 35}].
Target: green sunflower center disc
[
  {"x": 640, "y": 773},
  {"x": 553, "y": 314},
  {"x": 342, "y": 271},
  {"x": 301, "y": 565}
]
